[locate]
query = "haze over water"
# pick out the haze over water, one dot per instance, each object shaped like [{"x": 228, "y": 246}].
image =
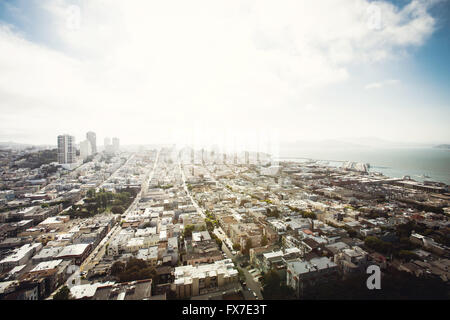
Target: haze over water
[{"x": 392, "y": 162}]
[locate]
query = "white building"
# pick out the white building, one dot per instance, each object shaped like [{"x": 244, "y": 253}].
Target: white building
[
  {"x": 192, "y": 281},
  {"x": 20, "y": 256},
  {"x": 116, "y": 144},
  {"x": 351, "y": 260},
  {"x": 92, "y": 137},
  {"x": 66, "y": 149},
  {"x": 85, "y": 149}
]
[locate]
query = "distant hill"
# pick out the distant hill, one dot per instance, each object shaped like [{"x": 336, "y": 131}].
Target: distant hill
[
  {"x": 14, "y": 145},
  {"x": 443, "y": 146},
  {"x": 21, "y": 146},
  {"x": 36, "y": 159},
  {"x": 354, "y": 143}
]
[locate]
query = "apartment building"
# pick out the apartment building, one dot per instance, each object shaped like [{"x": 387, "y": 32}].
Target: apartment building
[
  {"x": 303, "y": 274},
  {"x": 193, "y": 281}
]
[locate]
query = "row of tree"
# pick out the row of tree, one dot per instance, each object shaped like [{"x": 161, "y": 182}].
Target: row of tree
[
  {"x": 134, "y": 269},
  {"x": 99, "y": 202}
]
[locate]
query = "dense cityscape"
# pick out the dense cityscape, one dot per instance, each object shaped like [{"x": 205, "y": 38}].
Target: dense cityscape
[
  {"x": 224, "y": 159},
  {"x": 84, "y": 222}
]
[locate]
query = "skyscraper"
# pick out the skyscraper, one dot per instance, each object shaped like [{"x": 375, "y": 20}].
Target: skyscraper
[
  {"x": 85, "y": 149},
  {"x": 66, "y": 149},
  {"x": 116, "y": 144},
  {"x": 92, "y": 137}
]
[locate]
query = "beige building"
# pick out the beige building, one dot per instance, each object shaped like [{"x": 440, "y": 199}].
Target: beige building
[{"x": 193, "y": 281}]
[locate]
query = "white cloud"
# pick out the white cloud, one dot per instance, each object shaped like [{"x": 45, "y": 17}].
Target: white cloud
[
  {"x": 142, "y": 67},
  {"x": 378, "y": 85}
]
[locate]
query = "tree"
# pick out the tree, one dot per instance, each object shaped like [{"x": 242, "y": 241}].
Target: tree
[
  {"x": 62, "y": 294},
  {"x": 274, "y": 288},
  {"x": 91, "y": 193},
  {"x": 396, "y": 285},
  {"x": 264, "y": 241},
  {"x": 248, "y": 245},
  {"x": 308, "y": 214},
  {"x": 117, "y": 268},
  {"x": 407, "y": 255},
  {"x": 236, "y": 246},
  {"x": 218, "y": 241},
  {"x": 117, "y": 209},
  {"x": 135, "y": 269},
  {"x": 209, "y": 224},
  {"x": 378, "y": 244},
  {"x": 188, "y": 230}
]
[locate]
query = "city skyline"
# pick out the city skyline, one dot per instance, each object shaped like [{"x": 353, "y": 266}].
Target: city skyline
[
  {"x": 222, "y": 155},
  {"x": 158, "y": 73}
]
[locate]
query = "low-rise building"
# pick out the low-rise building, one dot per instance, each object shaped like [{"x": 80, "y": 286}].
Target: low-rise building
[
  {"x": 303, "y": 274},
  {"x": 20, "y": 256},
  {"x": 76, "y": 252},
  {"x": 193, "y": 281}
]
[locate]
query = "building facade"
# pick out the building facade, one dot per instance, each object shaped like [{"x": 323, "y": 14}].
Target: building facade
[
  {"x": 92, "y": 137},
  {"x": 66, "y": 149}
]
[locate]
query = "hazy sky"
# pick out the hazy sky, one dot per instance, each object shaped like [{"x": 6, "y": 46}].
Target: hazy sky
[{"x": 168, "y": 71}]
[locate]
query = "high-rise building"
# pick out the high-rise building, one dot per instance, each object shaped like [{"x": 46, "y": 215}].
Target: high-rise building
[
  {"x": 66, "y": 149},
  {"x": 92, "y": 137},
  {"x": 107, "y": 142},
  {"x": 85, "y": 149},
  {"x": 116, "y": 144}
]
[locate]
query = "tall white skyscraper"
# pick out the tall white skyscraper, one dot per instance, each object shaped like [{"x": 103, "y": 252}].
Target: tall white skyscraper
[
  {"x": 66, "y": 149},
  {"x": 85, "y": 149},
  {"x": 116, "y": 144},
  {"x": 92, "y": 137}
]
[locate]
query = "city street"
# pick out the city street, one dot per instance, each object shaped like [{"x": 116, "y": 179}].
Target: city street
[
  {"x": 96, "y": 256},
  {"x": 252, "y": 284}
]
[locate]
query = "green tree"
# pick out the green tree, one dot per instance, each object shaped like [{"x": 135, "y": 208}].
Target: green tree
[
  {"x": 91, "y": 193},
  {"x": 407, "y": 255},
  {"x": 248, "y": 245},
  {"x": 62, "y": 294},
  {"x": 117, "y": 209},
  {"x": 188, "y": 230},
  {"x": 209, "y": 224},
  {"x": 274, "y": 288},
  {"x": 264, "y": 241},
  {"x": 378, "y": 245},
  {"x": 117, "y": 268},
  {"x": 135, "y": 269}
]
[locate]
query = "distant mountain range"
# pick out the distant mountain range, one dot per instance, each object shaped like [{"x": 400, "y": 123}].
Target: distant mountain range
[
  {"x": 344, "y": 143},
  {"x": 354, "y": 143},
  {"x": 21, "y": 146},
  {"x": 443, "y": 146}
]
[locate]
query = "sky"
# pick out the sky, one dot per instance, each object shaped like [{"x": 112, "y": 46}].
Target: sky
[{"x": 224, "y": 72}]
